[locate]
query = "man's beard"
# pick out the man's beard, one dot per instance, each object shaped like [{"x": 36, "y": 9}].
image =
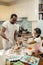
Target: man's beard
[{"x": 13, "y": 22}]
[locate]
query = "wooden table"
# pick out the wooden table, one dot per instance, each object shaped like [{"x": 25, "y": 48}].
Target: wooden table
[
  {"x": 41, "y": 62},
  {"x": 41, "y": 59}
]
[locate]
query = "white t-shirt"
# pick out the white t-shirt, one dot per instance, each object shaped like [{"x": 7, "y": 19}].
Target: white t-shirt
[
  {"x": 39, "y": 41},
  {"x": 10, "y": 29}
]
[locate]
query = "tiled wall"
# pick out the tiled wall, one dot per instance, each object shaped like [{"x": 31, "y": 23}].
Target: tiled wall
[{"x": 25, "y": 24}]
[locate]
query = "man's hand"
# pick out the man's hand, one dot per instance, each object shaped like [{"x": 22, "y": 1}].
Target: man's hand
[{"x": 11, "y": 42}]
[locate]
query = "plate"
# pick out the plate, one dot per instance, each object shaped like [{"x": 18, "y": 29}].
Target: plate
[{"x": 30, "y": 60}]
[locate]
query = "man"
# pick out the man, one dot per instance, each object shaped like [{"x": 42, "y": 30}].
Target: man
[{"x": 9, "y": 32}]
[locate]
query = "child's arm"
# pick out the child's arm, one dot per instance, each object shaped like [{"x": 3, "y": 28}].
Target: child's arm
[
  {"x": 32, "y": 42},
  {"x": 28, "y": 36}
]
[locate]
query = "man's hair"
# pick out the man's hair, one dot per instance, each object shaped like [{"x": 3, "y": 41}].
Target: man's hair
[
  {"x": 38, "y": 30},
  {"x": 13, "y": 15}
]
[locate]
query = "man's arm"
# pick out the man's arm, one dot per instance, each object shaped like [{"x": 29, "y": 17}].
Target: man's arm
[
  {"x": 2, "y": 33},
  {"x": 15, "y": 35}
]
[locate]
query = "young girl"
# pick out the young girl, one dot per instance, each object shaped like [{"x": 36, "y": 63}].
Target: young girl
[{"x": 37, "y": 40}]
